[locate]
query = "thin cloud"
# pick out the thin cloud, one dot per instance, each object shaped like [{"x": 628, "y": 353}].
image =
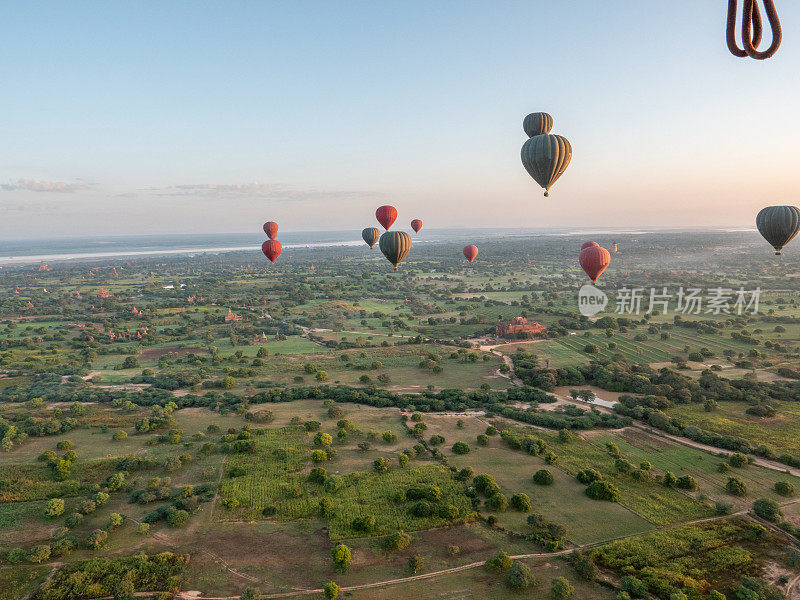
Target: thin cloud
[
  {"x": 36, "y": 185},
  {"x": 259, "y": 191}
]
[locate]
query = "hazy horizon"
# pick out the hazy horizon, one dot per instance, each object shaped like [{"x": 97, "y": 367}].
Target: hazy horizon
[{"x": 169, "y": 119}]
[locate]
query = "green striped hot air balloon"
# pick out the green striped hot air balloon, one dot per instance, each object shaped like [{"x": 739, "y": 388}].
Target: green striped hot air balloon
[
  {"x": 371, "y": 235},
  {"x": 537, "y": 123},
  {"x": 778, "y": 225},
  {"x": 545, "y": 157},
  {"x": 395, "y": 246}
]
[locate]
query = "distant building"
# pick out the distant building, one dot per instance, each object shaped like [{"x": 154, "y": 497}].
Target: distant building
[
  {"x": 231, "y": 317},
  {"x": 519, "y": 327},
  {"x": 44, "y": 267},
  {"x": 105, "y": 294}
]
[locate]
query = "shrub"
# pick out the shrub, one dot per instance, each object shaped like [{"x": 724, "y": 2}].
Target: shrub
[
  {"x": 520, "y": 577},
  {"x": 381, "y": 465},
  {"x": 736, "y": 486},
  {"x": 323, "y": 439},
  {"x": 543, "y": 477},
  {"x": 402, "y": 460},
  {"x": 784, "y": 488},
  {"x": 143, "y": 529},
  {"x": 342, "y": 557},
  {"x": 587, "y": 476},
  {"x": 670, "y": 480},
  {"x": 96, "y": 539},
  {"x": 603, "y": 490},
  {"x": 687, "y": 482},
  {"x": 397, "y": 541},
  {"x": 497, "y": 502},
  {"x": 768, "y": 509},
  {"x": 521, "y": 502},
  {"x": 331, "y": 590},
  {"x": 177, "y": 518},
  {"x": 500, "y": 563},
  {"x": 415, "y": 563},
  {"x": 633, "y": 586},
  {"x": 460, "y": 448},
  {"x": 561, "y": 589},
  {"x": 586, "y": 568},
  {"x": 15, "y": 555},
  {"x": 738, "y": 459},
  {"x": 483, "y": 440},
  {"x": 55, "y": 507},
  {"x": 364, "y": 524},
  {"x": 39, "y": 554}
]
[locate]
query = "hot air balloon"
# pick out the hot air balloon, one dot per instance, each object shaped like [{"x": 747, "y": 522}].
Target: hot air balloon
[
  {"x": 594, "y": 260},
  {"x": 395, "y": 246},
  {"x": 545, "y": 157},
  {"x": 271, "y": 229},
  {"x": 416, "y": 225},
  {"x": 588, "y": 245},
  {"x": 386, "y": 215},
  {"x": 271, "y": 249},
  {"x": 371, "y": 235},
  {"x": 778, "y": 225},
  {"x": 537, "y": 123},
  {"x": 470, "y": 252}
]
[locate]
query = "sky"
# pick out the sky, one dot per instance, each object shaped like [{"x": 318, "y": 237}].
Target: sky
[{"x": 199, "y": 117}]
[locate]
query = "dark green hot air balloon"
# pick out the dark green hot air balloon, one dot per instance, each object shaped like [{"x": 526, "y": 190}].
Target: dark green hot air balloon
[
  {"x": 537, "y": 123},
  {"x": 395, "y": 246},
  {"x": 545, "y": 157},
  {"x": 371, "y": 235},
  {"x": 778, "y": 225}
]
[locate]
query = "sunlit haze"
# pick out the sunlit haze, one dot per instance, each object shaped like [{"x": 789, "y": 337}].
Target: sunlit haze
[{"x": 157, "y": 117}]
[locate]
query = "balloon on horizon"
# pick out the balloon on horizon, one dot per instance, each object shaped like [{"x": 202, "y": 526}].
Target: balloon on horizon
[
  {"x": 416, "y": 225},
  {"x": 778, "y": 225},
  {"x": 371, "y": 235}
]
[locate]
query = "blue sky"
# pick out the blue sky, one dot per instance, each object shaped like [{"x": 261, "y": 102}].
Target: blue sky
[{"x": 184, "y": 117}]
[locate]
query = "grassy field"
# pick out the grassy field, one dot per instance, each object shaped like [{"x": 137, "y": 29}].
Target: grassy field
[{"x": 18, "y": 582}]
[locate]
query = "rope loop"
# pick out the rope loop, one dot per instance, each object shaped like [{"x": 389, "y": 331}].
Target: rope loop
[{"x": 752, "y": 29}]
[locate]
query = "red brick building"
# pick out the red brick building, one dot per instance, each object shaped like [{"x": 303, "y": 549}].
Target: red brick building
[{"x": 519, "y": 327}]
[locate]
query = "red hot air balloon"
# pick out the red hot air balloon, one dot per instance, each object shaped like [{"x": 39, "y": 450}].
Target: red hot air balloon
[
  {"x": 386, "y": 215},
  {"x": 470, "y": 252},
  {"x": 588, "y": 245},
  {"x": 271, "y": 249},
  {"x": 416, "y": 225},
  {"x": 271, "y": 229},
  {"x": 594, "y": 260}
]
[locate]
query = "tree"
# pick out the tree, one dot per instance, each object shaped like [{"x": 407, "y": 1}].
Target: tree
[
  {"x": 520, "y": 577},
  {"x": 177, "y": 518},
  {"x": 228, "y": 383},
  {"x": 738, "y": 459},
  {"x": 543, "y": 477},
  {"x": 55, "y": 507},
  {"x": 562, "y": 589},
  {"x": 119, "y": 435},
  {"x": 586, "y": 568},
  {"x": 497, "y": 502},
  {"x": 381, "y": 465},
  {"x": 124, "y": 590},
  {"x": 96, "y": 539},
  {"x": 321, "y": 376},
  {"x": 323, "y": 439},
  {"x": 115, "y": 520},
  {"x": 402, "y": 460},
  {"x": 415, "y": 563},
  {"x": 784, "y": 488},
  {"x": 342, "y": 557},
  {"x": 331, "y": 590},
  {"x": 483, "y": 440},
  {"x": 670, "y": 480},
  {"x": 460, "y": 448},
  {"x": 768, "y": 509}
]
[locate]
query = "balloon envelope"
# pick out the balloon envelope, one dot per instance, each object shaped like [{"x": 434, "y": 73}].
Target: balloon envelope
[
  {"x": 537, "y": 123},
  {"x": 545, "y": 158},
  {"x": 371, "y": 235},
  {"x": 271, "y": 229},
  {"x": 271, "y": 249},
  {"x": 778, "y": 225},
  {"x": 470, "y": 252},
  {"x": 395, "y": 246},
  {"x": 588, "y": 245},
  {"x": 416, "y": 225},
  {"x": 386, "y": 215},
  {"x": 594, "y": 260}
]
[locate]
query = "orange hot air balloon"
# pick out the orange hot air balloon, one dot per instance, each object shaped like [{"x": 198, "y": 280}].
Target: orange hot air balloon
[
  {"x": 588, "y": 245},
  {"x": 271, "y": 249},
  {"x": 386, "y": 215},
  {"x": 594, "y": 260},
  {"x": 416, "y": 225},
  {"x": 470, "y": 252},
  {"x": 271, "y": 229}
]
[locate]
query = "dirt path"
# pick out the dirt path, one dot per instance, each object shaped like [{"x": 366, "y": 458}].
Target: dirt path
[{"x": 762, "y": 462}]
